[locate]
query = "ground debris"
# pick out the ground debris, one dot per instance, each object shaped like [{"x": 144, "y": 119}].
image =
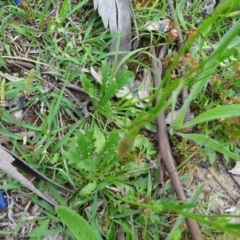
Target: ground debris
[{"x": 220, "y": 192}]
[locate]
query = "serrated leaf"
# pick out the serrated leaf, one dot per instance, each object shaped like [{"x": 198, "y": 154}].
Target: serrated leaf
[
  {"x": 88, "y": 86},
  {"x": 105, "y": 70},
  {"x": 77, "y": 225},
  {"x": 112, "y": 141},
  {"x": 99, "y": 138},
  {"x": 110, "y": 91},
  {"x": 85, "y": 144},
  {"x": 110, "y": 86},
  {"x": 124, "y": 78},
  {"x": 71, "y": 155},
  {"x": 85, "y": 164},
  {"x": 141, "y": 141},
  {"x": 211, "y": 155}
]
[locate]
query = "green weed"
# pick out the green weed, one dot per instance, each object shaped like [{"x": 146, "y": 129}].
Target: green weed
[{"x": 108, "y": 157}]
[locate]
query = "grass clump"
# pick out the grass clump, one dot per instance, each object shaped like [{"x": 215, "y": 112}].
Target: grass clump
[{"x": 106, "y": 153}]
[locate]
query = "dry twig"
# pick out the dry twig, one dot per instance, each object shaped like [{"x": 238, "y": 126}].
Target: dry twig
[{"x": 165, "y": 150}]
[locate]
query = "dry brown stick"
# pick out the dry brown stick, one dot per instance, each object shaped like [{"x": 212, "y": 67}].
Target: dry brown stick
[
  {"x": 161, "y": 179},
  {"x": 25, "y": 167},
  {"x": 165, "y": 150},
  {"x": 120, "y": 234},
  {"x": 6, "y": 160}
]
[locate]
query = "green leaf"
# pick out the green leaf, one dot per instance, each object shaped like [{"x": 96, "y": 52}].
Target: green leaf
[
  {"x": 85, "y": 144},
  {"x": 112, "y": 141},
  {"x": 211, "y": 155},
  {"x": 88, "y": 189},
  {"x": 88, "y": 86},
  {"x": 85, "y": 164},
  {"x": 111, "y": 89},
  {"x": 177, "y": 234},
  {"x": 105, "y": 71},
  {"x": 179, "y": 12},
  {"x": 110, "y": 86},
  {"x": 220, "y": 112},
  {"x": 77, "y": 7},
  {"x": 124, "y": 78},
  {"x": 99, "y": 138},
  {"x": 71, "y": 155},
  {"x": 38, "y": 231},
  {"x": 77, "y": 225},
  {"x": 66, "y": 6},
  {"x": 209, "y": 143}
]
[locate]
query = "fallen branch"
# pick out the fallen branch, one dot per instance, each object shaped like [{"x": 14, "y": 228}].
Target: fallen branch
[
  {"x": 17, "y": 162},
  {"x": 165, "y": 150},
  {"x": 6, "y": 165}
]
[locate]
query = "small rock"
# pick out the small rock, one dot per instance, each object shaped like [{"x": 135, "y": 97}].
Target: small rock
[{"x": 208, "y": 176}]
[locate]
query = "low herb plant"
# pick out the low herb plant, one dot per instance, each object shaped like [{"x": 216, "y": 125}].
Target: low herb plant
[{"x": 107, "y": 158}]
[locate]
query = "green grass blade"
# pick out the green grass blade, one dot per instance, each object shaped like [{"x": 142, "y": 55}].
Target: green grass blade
[
  {"x": 221, "y": 112},
  {"x": 208, "y": 68},
  {"x": 77, "y": 225},
  {"x": 6, "y": 117},
  {"x": 77, "y": 7},
  {"x": 209, "y": 143},
  {"x": 179, "y": 13}
]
